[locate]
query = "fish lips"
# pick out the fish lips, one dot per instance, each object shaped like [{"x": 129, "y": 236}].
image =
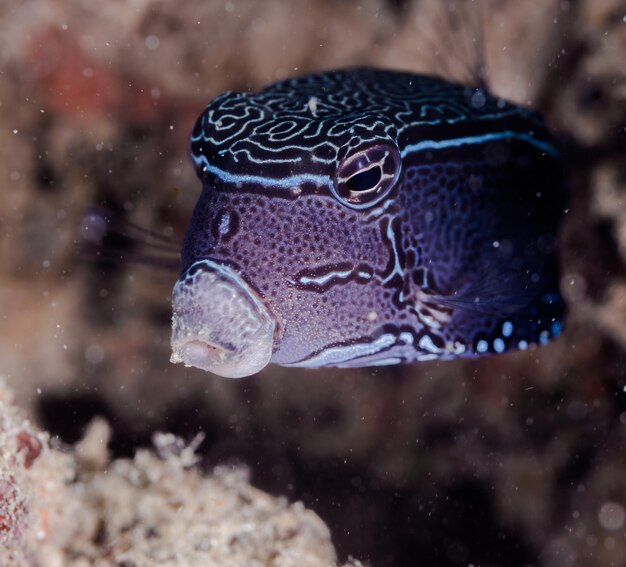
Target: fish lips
[{"x": 219, "y": 323}]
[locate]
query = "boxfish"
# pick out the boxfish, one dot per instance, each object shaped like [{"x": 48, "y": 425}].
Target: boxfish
[{"x": 366, "y": 217}]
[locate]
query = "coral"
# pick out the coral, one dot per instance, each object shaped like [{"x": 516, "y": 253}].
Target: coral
[{"x": 78, "y": 508}]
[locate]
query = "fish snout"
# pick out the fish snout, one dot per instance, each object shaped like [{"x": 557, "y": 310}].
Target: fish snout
[{"x": 219, "y": 322}]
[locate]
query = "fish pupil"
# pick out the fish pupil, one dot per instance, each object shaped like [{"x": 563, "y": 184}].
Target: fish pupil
[{"x": 365, "y": 180}]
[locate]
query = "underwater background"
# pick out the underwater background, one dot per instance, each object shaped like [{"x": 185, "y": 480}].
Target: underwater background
[{"x": 516, "y": 460}]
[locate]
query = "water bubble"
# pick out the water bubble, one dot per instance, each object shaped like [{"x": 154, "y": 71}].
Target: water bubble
[
  {"x": 93, "y": 227},
  {"x": 94, "y": 354},
  {"x": 612, "y": 516},
  {"x": 152, "y": 42},
  {"x": 478, "y": 99}
]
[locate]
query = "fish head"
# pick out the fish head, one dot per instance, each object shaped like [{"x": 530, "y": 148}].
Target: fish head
[
  {"x": 329, "y": 232},
  {"x": 282, "y": 256}
]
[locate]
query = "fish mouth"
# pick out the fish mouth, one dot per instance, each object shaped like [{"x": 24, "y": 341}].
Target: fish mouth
[{"x": 219, "y": 322}]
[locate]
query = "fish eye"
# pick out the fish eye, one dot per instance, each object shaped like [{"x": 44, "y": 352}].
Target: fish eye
[
  {"x": 367, "y": 176},
  {"x": 365, "y": 180}
]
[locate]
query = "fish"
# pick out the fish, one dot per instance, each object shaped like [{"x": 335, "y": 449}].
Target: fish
[{"x": 367, "y": 217}]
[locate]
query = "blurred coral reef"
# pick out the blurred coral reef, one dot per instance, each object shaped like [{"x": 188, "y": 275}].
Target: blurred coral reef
[
  {"x": 512, "y": 461},
  {"x": 79, "y": 509}
]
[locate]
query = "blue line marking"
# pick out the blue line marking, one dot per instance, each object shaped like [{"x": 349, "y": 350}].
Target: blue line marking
[
  {"x": 323, "y": 181},
  {"x": 291, "y": 182},
  {"x": 468, "y": 140}
]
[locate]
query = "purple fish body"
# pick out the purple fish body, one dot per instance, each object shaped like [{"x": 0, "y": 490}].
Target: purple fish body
[{"x": 366, "y": 217}]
